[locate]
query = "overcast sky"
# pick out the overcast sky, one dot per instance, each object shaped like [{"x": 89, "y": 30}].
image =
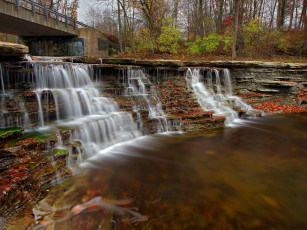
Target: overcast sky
[{"x": 84, "y": 5}]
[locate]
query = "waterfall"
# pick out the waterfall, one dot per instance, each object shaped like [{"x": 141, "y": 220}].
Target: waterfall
[
  {"x": 12, "y": 109},
  {"x": 144, "y": 97},
  {"x": 1, "y": 79},
  {"x": 94, "y": 120},
  {"x": 214, "y": 96}
]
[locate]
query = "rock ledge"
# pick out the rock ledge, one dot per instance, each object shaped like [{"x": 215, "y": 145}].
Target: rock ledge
[{"x": 12, "y": 49}]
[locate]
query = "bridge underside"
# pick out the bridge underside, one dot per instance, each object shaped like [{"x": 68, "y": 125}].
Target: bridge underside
[{"x": 17, "y": 26}]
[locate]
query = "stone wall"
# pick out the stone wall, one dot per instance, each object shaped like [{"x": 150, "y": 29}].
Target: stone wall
[{"x": 95, "y": 43}]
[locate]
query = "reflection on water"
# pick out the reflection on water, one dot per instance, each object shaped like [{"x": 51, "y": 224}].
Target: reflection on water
[{"x": 249, "y": 177}]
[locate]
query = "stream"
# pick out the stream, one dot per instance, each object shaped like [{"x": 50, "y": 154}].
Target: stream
[{"x": 249, "y": 176}]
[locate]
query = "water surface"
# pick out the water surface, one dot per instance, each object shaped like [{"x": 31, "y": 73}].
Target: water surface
[{"x": 249, "y": 177}]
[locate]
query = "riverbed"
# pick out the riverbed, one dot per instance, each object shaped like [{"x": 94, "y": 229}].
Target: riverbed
[{"x": 252, "y": 175}]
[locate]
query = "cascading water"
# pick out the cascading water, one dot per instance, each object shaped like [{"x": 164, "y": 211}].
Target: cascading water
[
  {"x": 12, "y": 109},
  {"x": 1, "y": 79},
  {"x": 94, "y": 120},
  {"x": 214, "y": 96},
  {"x": 144, "y": 98}
]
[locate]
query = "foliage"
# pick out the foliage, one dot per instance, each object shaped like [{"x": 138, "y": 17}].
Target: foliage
[
  {"x": 253, "y": 35},
  {"x": 227, "y": 38},
  {"x": 73, "y": 9},
  {"x": 211, "y": 42},
  {"x": 227, "y": 22},
  {"x": 168, "y": 39},
  {"x": 252, "y": 32},
  {"x": 7, "y": 38},
  {"x": 291, "y": 43},
  {"x": 195, "y": 47},
  {"x": 142, "y": 40},
  {"x": 259, "y": 41},
  {"x": 207, "y": 26},
  {"x": 207, "y": 44}
]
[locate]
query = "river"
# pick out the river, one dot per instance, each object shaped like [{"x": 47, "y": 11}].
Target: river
[{"x": 249, "y": 176}]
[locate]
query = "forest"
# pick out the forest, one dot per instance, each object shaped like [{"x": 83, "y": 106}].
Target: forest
[
  {"x": 250, "y": 29},
  {"x": 196, "y": 29}
]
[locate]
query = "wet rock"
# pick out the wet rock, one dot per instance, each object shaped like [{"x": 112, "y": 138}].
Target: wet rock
[
  {"x": 83, "y": 59},
  {"x": 12, "y": 105},
  {"x": 26, "y": 171},
  {"x": 9, "y": 133}
]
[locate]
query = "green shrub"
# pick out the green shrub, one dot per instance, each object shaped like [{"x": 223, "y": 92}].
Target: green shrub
[
  {"x": 168, "y": 39},
  {"x": 195, "y": 47},
  {"x": 291, "y": 44},
  {"x": 207, "y": 44}
]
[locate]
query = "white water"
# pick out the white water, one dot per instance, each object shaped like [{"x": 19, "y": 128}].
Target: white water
[
  {"x": 1, "y": 79},
  {"x": 94, "y": 120},
  {"x": 18, "y": 118},
  {"x": 214, "y": 96},
  {"x": 144, "y": 98}
]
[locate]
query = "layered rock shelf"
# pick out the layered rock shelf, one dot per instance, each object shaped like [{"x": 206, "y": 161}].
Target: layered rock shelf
[
  {"x": 222, "y": 64},
  {"x": 12, "y": 51}
]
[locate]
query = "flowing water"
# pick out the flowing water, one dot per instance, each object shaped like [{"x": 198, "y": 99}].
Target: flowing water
[
  {"x": 248, "y": 176},
  {"x": 213, "y": 96},
  {"x": 1, "y": 79},
  {"x": 94, "y": 120},
  {"x": 145, "y": 98},
  {"x": 253, "y": 176}
]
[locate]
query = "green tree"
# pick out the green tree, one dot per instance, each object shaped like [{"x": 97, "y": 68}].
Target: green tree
[{"x": 169, "y": 37}]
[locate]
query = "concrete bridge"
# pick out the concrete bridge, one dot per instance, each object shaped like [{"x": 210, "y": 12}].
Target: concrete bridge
[{"x": 40, "y": 26}]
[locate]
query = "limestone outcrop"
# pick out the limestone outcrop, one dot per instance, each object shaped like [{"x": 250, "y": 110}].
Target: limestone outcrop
[
  {"x": 12, "y": 49},
  {"x": 221, "y": 64}
]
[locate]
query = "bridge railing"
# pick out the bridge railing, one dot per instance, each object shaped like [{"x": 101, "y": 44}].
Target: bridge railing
[{"x": 36, "y": 8}]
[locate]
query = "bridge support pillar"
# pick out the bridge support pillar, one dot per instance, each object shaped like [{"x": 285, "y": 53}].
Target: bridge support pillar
[{"x": 95, "y": 43}]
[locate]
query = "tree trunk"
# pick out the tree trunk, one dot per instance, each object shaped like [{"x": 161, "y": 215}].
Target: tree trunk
[
  {"x": 295, "y": 20},
  {"x": 255, "y": 9},
  {"x": 175, "y": 12},
  {"x": 303, "y": 15},
  {"x": 240, "y": 39},
  {"x": 236, "y": 29},
  {"x": 220, "y": 17},
  {"x": 273, "y": 13},
  {"x": 291, "y": 15},
  {"x": 261, "y": 8},
  {"x": 281, "y": 14},
  {"x": 201, "y": 18},
  {"x": 305, "y": 26},
  {"x": 120, "y": 38}
]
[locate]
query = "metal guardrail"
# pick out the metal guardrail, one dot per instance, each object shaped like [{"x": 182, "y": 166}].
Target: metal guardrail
[{"x": 44, "y": 10}]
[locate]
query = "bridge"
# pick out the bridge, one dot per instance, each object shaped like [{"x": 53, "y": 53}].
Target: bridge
[
  {"x": 38, "y": 25},
  {"x": 28, "y": 18}
]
